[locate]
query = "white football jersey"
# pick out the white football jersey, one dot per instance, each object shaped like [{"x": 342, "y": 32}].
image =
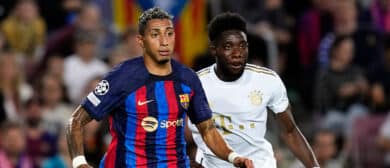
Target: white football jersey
[{"x": 240, "y": 113}]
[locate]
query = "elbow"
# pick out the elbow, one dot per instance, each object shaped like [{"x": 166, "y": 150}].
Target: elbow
[{"x": 72, "y": 125}]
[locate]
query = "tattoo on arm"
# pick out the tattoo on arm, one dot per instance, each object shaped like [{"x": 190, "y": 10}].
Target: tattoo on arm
[
  {"x": 205, "y": 126},
  {"x": 213, "y": 139},
  {"x": 74, "y": 131}
]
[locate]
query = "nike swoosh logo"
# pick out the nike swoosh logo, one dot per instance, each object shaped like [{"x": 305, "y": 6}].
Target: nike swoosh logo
[{"x": 140, "y": 103}]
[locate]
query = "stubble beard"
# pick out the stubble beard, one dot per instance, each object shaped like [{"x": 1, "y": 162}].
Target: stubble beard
[{"x": 162, "y": 62}]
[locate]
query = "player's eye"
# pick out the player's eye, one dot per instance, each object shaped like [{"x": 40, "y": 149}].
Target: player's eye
[
  {"x": 170, "y": 33},
  {"x": 243, "y": 45},
  {"x": 154, "y": 35},
  {"x": 227, "y": 47}
]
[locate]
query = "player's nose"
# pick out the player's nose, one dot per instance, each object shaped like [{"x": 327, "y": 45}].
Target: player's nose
[
  {"x": 163, "y": 41},
  {"x": 237, "y": 53}
]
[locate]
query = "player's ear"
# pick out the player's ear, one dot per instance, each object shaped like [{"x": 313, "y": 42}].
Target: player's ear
[{"x": 140, "y": 41}]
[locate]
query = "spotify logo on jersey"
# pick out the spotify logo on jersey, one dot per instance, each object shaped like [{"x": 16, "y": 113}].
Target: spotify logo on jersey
[
  {"x": 150, "y": 124},
  {"x": 175, "y": 123}
]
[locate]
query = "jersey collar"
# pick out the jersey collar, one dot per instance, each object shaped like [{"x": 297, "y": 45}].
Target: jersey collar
[{"x": 240, "y": 81}]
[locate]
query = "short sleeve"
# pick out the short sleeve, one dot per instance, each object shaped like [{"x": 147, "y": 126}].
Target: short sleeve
[
  {"x": 106, "y": 96},
  {"x": 279, "y": 100},
  {"x": 199, "y": 109}
]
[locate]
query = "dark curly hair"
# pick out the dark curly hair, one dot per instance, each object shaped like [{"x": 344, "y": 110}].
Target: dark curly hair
[
  {"x": 226, "y": 21},
  {"x": 152, "y": 13}
]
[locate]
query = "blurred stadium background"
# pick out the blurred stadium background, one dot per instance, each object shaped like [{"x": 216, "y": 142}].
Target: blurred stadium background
[{"x": 333, "y": 55}]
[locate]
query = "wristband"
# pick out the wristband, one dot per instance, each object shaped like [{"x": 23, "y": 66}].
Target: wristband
[
  {"x": 78, "y": 160},
  {"x": 232, "y": 156}
]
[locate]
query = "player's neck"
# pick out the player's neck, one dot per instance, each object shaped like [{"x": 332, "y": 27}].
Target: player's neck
[
  {"x": 156, "y": 68},
  {"x": 224, "y": 76}
]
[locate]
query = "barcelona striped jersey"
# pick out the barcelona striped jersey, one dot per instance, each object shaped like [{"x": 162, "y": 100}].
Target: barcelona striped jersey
[{"x": 147, "y": 114}]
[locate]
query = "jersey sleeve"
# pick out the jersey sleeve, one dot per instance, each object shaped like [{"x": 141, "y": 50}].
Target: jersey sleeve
[
  {"x": 279, "y": 101},
  {"x": 106, "y": 96},
  {"x": 199, "y": 109}
]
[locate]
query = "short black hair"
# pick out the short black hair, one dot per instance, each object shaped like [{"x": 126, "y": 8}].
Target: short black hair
[
  {"x": 152, "y": 13},
  {"x": 226, "y": 21}
]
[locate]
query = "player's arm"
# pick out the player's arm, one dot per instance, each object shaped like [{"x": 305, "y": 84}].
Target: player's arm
[
  {"x": 74, "y": 136},
  {"x": 218, "y": 146},
  {"x": 295, "y": 140}
]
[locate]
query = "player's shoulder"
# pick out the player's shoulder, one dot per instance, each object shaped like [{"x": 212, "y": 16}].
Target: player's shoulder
[
  {"x": 186, "y": 73},
  {"x": 132, "y": 62},
  {"x": 130, "y": 65},
  {"x": 259, "y": 70},
  {"x": 204, "y": 71},
  {"x": 181, "y": 68},
  {"x": 130, "y": 69}
]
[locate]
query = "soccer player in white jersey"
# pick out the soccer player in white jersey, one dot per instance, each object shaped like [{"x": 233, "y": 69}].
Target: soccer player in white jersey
[{"x": 239, "y": 95}]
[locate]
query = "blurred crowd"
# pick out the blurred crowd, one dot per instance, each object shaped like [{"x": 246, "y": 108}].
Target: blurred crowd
[{"x": 333, "y": 55}]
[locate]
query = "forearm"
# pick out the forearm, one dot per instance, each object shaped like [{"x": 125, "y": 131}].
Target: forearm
[
  {"x": 214, "y": 140},
  {"x": 295, "y": 140},
  {"x": 74, "y": 132},
  {"x": 217, "y": 144},
  {"x": 300, "y": 147},
  {"x": 74, "y": 136}
]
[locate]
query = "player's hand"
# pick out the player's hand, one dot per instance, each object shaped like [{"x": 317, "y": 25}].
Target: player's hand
[
  {"x": 84, "y": 166},
  {"x": 243, "y": 162}
]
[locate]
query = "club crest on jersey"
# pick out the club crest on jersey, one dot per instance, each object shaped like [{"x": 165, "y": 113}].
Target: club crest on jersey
[
  {"x": 184, "y": 100},
  {"x": 102, "y": 88},
  {"x": 255, "y": 97}
]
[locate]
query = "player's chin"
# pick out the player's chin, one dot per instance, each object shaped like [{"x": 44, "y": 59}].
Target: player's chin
[
  {"x": 163, "y": 60},
  {"x": 236, "y": 70},
  {"x": 163, "y": 57},
  {"x": 235, "y": 74}
]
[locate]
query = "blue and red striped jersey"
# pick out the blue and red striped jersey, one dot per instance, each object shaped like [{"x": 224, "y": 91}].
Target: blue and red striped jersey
[{"x": 147, "y": 114}]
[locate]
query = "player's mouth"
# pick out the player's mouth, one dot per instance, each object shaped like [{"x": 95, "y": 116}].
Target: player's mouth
[
  {"x": 164, "y": 52},
  {"x": 236, "y": 65}
]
